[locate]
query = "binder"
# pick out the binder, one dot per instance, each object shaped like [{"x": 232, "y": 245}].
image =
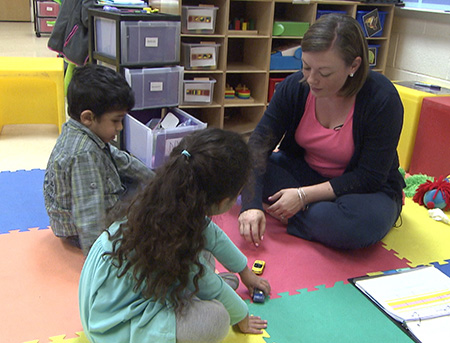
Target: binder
[{"x": 418, "y": 299}]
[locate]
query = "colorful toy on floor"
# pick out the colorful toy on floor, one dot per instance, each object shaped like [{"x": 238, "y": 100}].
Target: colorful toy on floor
[
  {"x": 434, "y": 194},
  {"x": 258, "y": 267},
  {"x": 242, "y": 92},
  {"x": 258, "y": 296},
  {"x": 229, "y": 92}
]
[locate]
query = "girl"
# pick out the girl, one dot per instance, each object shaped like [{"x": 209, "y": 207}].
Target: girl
[{"x": 149, "y": 278}]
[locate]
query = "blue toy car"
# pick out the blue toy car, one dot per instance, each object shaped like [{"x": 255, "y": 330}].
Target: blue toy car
[{"x": 258, "y": 296}]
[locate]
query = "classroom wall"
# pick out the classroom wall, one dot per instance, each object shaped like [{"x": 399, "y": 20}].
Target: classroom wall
[
  {"x": 15, "y": 10},
  {"x": 420, "y": 47}
]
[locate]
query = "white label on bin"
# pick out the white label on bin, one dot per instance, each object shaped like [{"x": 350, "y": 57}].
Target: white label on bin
[
  {"x": 49, "y": 9},
  {"x": 151, "y": 42},
  {"x": 200, "y": 19},
  {"x": 203, "y": 56},
  {"x": 197, "y": 92},
  {"x": 156, "y": 86},
  {"x": 170, "y": 144}
]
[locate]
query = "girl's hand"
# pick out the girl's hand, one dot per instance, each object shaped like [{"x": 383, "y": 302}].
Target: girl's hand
[
  {"x": 252, "y": 324},
  {"x": 287, "y": 203},
  {"x": 252, "y": 281}
]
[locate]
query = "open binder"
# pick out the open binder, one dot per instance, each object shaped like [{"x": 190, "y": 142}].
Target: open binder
[{"x": 418, "y": 299}]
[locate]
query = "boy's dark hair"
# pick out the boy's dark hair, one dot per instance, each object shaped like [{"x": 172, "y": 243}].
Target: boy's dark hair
[
  {"x": 345, "y": 34},
  {"x": 99, "y": 89},
  {"x": 163, "y": 237}
]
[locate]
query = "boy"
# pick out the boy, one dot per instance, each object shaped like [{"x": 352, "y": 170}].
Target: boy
[{"x": 87, "y": 178}]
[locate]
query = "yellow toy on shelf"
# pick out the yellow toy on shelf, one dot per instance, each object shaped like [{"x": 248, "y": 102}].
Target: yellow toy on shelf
[{"x": 229, "y": 92}]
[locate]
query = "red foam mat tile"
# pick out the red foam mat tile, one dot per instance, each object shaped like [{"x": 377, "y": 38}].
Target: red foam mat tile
[
  {"x": 293, "y": 263},
  {"x": 39, "y": 288}
]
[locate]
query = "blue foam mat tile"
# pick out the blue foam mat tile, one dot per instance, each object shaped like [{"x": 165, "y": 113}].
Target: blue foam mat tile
[
  {"x": 22, "y": 201},
  {"x": 445, "y": 268}
]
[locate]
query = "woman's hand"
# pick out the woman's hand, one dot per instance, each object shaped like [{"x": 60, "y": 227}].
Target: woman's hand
[
  {"x": 252, "y": 226},
  {"x": 252, "y": 281},
  {"x": 252, "y": 324},
  {"x": 287, "y": 203}
]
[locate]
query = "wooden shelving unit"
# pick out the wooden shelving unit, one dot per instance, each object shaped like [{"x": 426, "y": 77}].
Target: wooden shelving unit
[{"x": 244, "y": 57}]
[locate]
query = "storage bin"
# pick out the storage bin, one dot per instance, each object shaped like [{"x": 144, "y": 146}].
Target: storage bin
[
  {"x": 200, "y": 56},
  {"x": 289, "y": 28},
  {"x": 323, "y": 12},
  {"x": 46, "y": 24},
  {"x": 373, "y": 53},
  {"x": 142, "y": 42},
  {"x": 155, "y": 87},
  {"x": 273, "y": 82},
  {"x": 278, "y": 61},
  {"x": 198, "y": 19},
  {"x": 153, "y": 147},
  {"x": 366, "y": 28},
  {"x": 198, "y": 91},
  {"x": 47, "y": 9}
]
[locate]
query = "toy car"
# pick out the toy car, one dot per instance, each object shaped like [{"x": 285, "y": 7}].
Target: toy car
[
  {"x": 258, "y": 296},
  {"x": 258, "y": 267}
]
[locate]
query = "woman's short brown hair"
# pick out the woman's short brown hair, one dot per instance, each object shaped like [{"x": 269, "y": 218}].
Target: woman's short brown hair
[{"x": 343, "y": 33}]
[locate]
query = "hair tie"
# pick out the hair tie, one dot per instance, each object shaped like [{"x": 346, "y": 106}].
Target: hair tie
[{"x": 186, "y": 153}]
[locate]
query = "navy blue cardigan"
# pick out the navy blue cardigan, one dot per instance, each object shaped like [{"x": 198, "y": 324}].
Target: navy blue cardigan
[{"x": 377, "y": 124}]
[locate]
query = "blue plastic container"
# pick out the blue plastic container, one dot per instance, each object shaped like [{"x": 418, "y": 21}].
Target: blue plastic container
[
  {"x": 322, "y": 12},
  {"x": 373, "y": 54},
  {"x": 381, "y": 15},
  {"x": 280, "y": 62}
]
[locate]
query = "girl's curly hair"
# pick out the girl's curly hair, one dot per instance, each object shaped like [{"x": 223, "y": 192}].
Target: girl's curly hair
[{"x": 163, "y": 236}]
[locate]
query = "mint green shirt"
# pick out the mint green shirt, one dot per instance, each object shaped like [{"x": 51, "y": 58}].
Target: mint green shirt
[{"x": 112, "y": 312}]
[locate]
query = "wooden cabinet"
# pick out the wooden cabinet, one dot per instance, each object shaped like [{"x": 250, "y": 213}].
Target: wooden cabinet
[{"x": 244, "y": 55}]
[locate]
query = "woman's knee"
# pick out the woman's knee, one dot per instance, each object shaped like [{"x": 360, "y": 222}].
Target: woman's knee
[{"x": 340, "y": 229}]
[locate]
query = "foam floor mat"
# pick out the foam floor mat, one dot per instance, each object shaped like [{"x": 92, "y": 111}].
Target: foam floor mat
[
  {"x": 420, "y": 239},
  {"x": 293, "y": 263},
  {"x": 22, "y": 206},
  {"x": 39, "y": 291},
  {"x": 311, "y": 299}
]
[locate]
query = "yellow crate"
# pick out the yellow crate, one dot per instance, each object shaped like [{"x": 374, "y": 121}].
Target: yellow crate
[{"x": 32, "y": 91}]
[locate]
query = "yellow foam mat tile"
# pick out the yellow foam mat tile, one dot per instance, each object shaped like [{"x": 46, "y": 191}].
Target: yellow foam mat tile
[
  {"x": 420, "y": 239},
  {"x": 61, "y": 339},
  {"x": 235, "y": 336}
]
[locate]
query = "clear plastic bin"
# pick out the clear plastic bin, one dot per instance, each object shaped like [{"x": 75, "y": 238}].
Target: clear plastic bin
[
  {"x": 198, "y": 92},
  {"x": 153, "y": 147},
  {"x": 153, "y": 42},
  {"x": 200, "y": 56},
  {"x": 197, "y": 19},
  {"x": 155, "y": 87}
]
